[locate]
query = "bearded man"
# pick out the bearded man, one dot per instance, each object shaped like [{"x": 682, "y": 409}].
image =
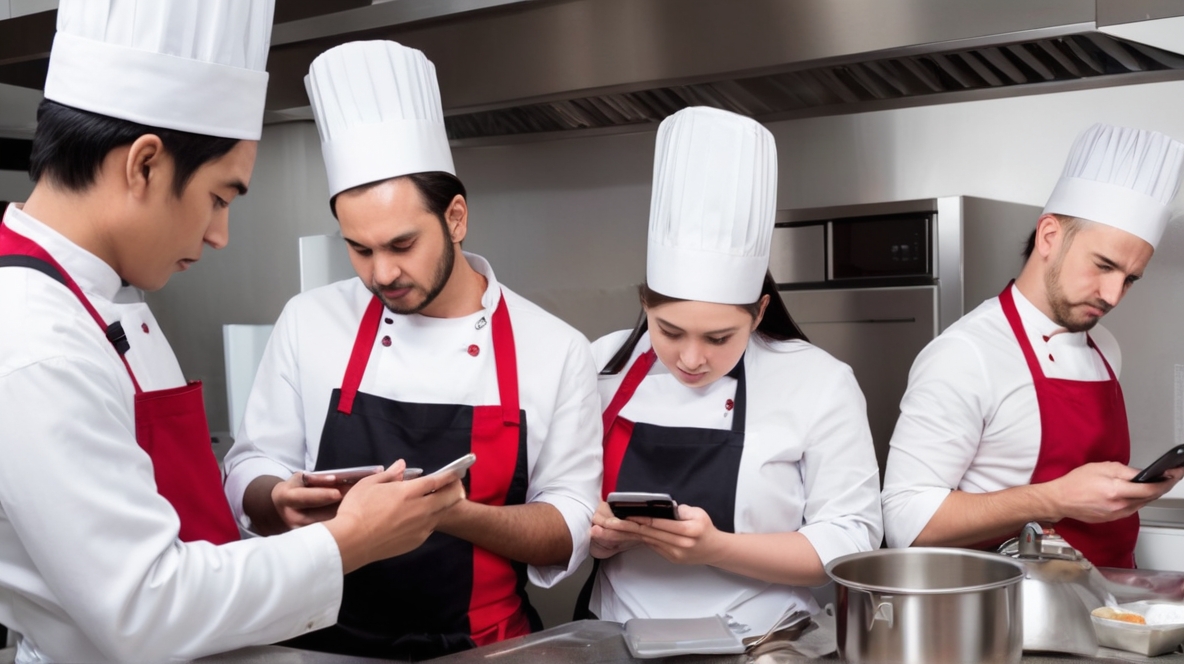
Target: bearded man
[
  {"x": 1014, "y": 414},
  {"x": 426, "y": 357}
]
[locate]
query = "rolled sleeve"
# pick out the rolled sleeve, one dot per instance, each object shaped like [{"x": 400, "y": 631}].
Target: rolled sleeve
[
  {"x": 568, "y": 470},
  {"x": 937, "y": 436},
  {"x": 842, "y": 513}
]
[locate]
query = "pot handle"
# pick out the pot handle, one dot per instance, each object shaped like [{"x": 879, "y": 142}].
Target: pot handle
[{"x": 882, "y": 610}]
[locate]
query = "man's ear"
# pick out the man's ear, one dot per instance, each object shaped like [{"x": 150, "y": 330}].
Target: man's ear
[
  {"x": 142, "y": 168},
  {"x": 456, "y": 217},
  {"x": 1050, "y": 233}
]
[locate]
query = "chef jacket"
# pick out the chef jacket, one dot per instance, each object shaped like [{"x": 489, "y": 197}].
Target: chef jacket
[
  {"x": 91, "y": 567},
  {"x": 418, "y": 358},
  {"x": 969, "y": 419},
  {"x": 808, "y": 465}
]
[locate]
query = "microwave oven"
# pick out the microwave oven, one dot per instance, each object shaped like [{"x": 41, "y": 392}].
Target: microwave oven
[{"x": 878, "y": 250}]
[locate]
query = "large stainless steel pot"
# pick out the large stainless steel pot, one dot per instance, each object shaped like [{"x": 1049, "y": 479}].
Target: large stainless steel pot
[{"x": 928, "y": 605}]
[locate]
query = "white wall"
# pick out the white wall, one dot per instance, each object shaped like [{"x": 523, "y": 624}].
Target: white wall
[{"x": 564, "y": 221}]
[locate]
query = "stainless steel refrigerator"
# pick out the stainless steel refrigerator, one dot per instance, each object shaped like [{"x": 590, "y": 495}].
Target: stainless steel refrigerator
[{"x": 872, "y": 284}]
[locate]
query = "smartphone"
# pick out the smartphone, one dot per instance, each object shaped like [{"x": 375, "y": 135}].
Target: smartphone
[
  {"x": 412, "y": 473},
  {"x": 1173, "y": 458},
  {"x": 631, "y": 503},
  {"x": 341, "y": 476},
  {"x": 459, "y": 466}
]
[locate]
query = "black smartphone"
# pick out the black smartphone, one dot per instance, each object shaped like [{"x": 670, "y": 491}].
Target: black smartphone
[
  {"x": 1173, "y": 458},
  {"x": 625, "y": 504}
]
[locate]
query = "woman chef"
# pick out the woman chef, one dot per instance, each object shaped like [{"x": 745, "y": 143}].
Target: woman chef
[{"x": 718, "y": 400}]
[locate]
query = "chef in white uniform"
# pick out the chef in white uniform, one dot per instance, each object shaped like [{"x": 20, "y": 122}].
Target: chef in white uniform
[
  {"x": 116, "y": 542},
  {"x": 424, "y": 356},
  {"x": 717, "y": 399},
  {"x": 1014, "y": 414}
]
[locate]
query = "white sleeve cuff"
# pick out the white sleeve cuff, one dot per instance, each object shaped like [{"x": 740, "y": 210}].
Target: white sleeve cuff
[
  {"x": 240, "y": 477},
  {"x": 832, "y": 539},
  {"x": 578, "y": 517},
  {"x": 908, "y": 511},
  {"x": 324, "y": 583}
]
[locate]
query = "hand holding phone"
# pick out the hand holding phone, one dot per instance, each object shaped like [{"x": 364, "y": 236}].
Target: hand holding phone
[
  {"x": 339, "y": 477},
  {"x": 625, "y": 504},
  {"x": 1173, "y": 458}
]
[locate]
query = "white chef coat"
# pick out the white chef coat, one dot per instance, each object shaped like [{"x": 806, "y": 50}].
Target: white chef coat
[
  {"x": 969, "y": 419},
  {"x": 90, "y": 565},
  {"x": 428, "y": 361},
  {"x": 808, "y": 465}
]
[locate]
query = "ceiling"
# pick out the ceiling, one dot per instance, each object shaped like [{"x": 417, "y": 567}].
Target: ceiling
[{"x": 528, "y": 68}]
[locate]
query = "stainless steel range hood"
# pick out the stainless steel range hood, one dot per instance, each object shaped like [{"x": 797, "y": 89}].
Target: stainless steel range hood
[{"x": 541, "y": 67}]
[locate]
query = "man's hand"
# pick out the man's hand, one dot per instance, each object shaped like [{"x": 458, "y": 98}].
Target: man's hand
[
  {"x": 1102, "y": 492},
  {"x": 298, "y": 505},
  {"x": 383, "y": 516},
  {"x": 611, "y": 535}
]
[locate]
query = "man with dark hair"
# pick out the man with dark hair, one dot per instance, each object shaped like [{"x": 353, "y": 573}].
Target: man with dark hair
[
  {"x": 1014, "y": 414},
  {"x": 424, "y": 356},
  {"x": 116, "y": 541}
]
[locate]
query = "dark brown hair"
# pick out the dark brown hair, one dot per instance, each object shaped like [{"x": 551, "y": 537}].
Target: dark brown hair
[{"x": 777, "y": 324}]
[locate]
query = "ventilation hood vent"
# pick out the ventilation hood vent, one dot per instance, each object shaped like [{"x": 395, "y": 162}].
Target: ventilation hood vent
[{"x": 1084, "y": 60}]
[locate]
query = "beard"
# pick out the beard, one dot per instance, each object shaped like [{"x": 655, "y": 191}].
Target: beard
[
  {"x": 1062, "y": 308},
  {"x": 429, "y": 294}
]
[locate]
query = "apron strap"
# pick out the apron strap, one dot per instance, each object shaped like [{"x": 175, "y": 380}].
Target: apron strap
[
  {"x": 1013, "y": 318},
  {"x": 637, "y": 373},
  {"x": 360, "y": 355},
  {"x": 17, "y": 250},
  {"x": 504, "y": 355}
]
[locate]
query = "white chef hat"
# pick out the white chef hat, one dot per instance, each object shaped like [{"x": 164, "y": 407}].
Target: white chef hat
[
  {"x": 188, "y": 65},
  {"x": 1120, "y": 177},
  {"x": 713, "y": 206},
  {"x": 377, "y": 107}
]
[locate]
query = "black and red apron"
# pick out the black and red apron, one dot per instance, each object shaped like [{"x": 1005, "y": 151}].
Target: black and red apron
[
  {"x": 1080, "y": 422},
  {"x": 698, "y": 467},
  {"x": 448, "y": 594},
  {"x": 170, "y": 424}
]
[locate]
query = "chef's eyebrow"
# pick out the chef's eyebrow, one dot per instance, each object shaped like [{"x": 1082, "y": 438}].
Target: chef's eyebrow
[
  {"x": 409, "y": 235},
  {"x": 1109, "y": 262},
  {"x": 237, "y": 185},
  {"x": 675, "y": 328}
]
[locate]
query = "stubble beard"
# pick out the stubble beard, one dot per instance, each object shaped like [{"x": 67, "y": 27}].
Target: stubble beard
[
  {"x": 1062, "y": 308},
  {"x": 439, "y": 281}
]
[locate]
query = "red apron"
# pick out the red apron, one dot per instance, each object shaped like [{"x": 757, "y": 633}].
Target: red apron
[
  {"x": 170, "y": 424},
  {"x": 448, "y": 594},
  {"x": 1080, "y": 422}
]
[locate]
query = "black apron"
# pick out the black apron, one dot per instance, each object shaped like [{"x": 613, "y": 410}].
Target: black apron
[
  {"x": 698, "y": 467},
  {"x": 447, "y": 595}
]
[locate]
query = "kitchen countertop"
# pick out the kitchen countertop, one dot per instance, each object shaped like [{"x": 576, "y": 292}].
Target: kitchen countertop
[{"x": 596, "y": 642}]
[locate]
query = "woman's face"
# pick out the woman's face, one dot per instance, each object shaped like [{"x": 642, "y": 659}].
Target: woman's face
[{"x": 699, "y": 342}]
